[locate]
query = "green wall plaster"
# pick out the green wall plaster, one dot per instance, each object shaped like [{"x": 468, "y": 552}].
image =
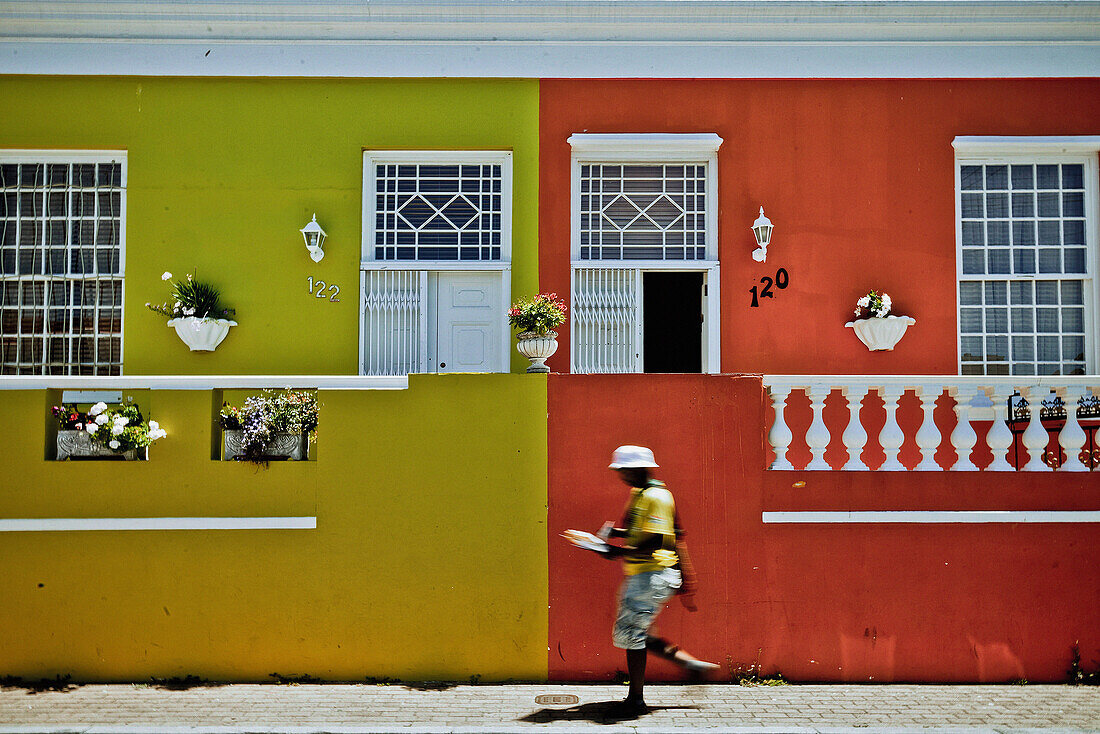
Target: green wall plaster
[{"x": 223, "y": 173}]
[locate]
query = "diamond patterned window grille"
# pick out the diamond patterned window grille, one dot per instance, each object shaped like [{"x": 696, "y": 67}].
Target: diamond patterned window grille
[
  {"x": 61, "y": 236},
  {"x": 643, "y": 212},
  {"x": 437, "y": 212}
]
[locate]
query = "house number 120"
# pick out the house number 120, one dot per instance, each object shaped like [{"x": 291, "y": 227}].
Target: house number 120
[
  {"x": 320, "y": 287},
  {"x": 781, "y": 281}
]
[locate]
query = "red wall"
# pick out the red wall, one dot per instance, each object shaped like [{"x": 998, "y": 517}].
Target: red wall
[
  {"x": 932, "y": 603},
  {"x": 858, "y": 177}
]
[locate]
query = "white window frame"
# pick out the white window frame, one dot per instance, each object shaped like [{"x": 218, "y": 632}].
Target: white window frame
[
  {"x": 984, "y": 150},
  {"x": 48, "y": 156},
  {"x": 503, "y": 266},
  {"x": 657, "y": 148}
]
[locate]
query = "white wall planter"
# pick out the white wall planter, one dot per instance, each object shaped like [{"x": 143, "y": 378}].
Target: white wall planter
[
  {"x": 537, "y": 348},
  {"x": 79, "y": 445},
  {"x": 881, "y": 333},
  {"x": 201, "y": 335},
  {"x": 293, "y": 446}
]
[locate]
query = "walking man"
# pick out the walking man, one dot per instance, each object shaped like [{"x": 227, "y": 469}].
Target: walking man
[{"x": 655, "y": 566}]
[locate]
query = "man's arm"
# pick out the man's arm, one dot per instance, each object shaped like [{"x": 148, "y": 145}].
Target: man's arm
[{"x": 647, "y": 543}]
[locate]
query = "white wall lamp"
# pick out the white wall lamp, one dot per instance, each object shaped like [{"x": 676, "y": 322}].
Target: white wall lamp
[
  {"x": 762, "y": 229},
  {"x": 315, "y": 238}
]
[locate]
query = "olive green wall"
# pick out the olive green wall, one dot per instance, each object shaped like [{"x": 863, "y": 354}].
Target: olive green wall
[
  {"x": 224, "y": 172},
  {"x": 428, "y": 561}
]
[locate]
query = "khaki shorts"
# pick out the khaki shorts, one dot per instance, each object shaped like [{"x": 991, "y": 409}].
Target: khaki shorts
[{"x": 641, "y": 597}]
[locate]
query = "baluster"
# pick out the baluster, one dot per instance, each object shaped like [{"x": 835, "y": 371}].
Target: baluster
[
  {"x": 1035, "y": 437},
  {"x": 891, "y": 438},
  {"x": 928, "y": 436},
  {"x": 1072, "y": 437},
  {"x": 780, "y": 435},
  {"x": 999, "y": 437},
  {"x": 964, "y": 437},
  {"x": 817, "y": 437},
  {"x": 855, "y": 437}
]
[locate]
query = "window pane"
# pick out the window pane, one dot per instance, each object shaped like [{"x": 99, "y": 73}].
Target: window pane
[
  {"x": 1073, "y": 320},
  {"x": 996, "y": 177},
  {"x": 1046, "y": 320},
  {"x": 1023, "y": 204},
  {"x": 973, "y": 262},
  {"x": 1073, "y": 348},
  {"x": 996, "y": 320},
  {"x": 1073, "y": 293},
  {"x": 1072, "y": 176},
  {"x": 1047, "y": 177},
  {"x": 972, "y": 206},
  {"x": 1023, "y": 261},
  {"x": 971, "y": 348},
  {"x": 1046, "y": 292},
  {"x": 996, "y": 292},
  {"x": 1050, "y": 260},
  {"x": 999, "y": 262},
  {"x": 970, "y": 320},
  {"x": 973, "y": 234},
  {"x": 1023, "y": 233},
  {"x": 997, "y": 233},
  {"x": 1023, "y": 320},
  {"x": 970, "y": 178},
  {"x": 970, "y": 293},
  {"x": 1021, "y": 291},
  {"x": 996, "y": 348},
  {"x": 1023, "y": 349},
  {"x": 996, "y": 206},
  {"x": 1023, "y": 177},
  {"x": 1048, "y": 349}
]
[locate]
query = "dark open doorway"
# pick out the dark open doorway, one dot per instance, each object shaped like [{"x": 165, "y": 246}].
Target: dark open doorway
[{"x": 673, "y": 321}]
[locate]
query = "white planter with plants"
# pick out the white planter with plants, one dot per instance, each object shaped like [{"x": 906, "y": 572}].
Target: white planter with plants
[
  {"x": 535, "y": 319},
  {"x": 273, "y": 426},
  {"x": 201, "y": 335},
  {"x": 196, "y": 314},
  {"x": 878, "y": 330},
  {"x": 119, "y": 432}
]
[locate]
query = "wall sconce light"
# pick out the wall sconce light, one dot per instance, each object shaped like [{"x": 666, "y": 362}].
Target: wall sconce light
[
  {"x": 762, "y": 229},
  {"x": 315, "y": 238}
]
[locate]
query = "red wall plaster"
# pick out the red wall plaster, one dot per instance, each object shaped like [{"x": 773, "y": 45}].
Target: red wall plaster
[
  {"x": 858, "y": 176},
  {"x": 930, "y": 603}
]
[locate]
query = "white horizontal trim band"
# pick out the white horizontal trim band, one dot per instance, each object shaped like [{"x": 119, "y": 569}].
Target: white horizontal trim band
[
  {"x": 931, "y": 516},
  {"x": 532, "y": 59},
  {"x": 644, "y": 146},
  {"x": 204, "y": 382},
  {"x": 471, "y": 265},
  {"x": 1039, "y": 145},
  {"x": 54, "y": 524}
]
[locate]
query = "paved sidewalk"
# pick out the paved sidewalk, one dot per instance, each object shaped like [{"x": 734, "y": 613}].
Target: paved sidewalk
[{"x": 420, "y": 708}]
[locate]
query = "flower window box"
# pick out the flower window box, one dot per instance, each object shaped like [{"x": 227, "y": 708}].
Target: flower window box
[
  {"x": 274, "y": 426},
  {"x": 104, "y": 432}
]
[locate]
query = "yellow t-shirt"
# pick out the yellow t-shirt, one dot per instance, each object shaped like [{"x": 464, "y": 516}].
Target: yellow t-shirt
[{"x": 651, "y": 510}]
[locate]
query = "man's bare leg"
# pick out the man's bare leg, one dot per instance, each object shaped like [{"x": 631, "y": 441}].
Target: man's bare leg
[
  {"x": 672, "y": 652},
  {"x": 635, "y": 666}
]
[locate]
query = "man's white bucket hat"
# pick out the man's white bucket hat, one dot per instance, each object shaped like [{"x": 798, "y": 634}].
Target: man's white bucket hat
[{"x": 632, "y": 457}]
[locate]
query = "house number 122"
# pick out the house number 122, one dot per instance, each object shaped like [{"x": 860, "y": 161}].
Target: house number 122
[{"x": 320, "y": 287}]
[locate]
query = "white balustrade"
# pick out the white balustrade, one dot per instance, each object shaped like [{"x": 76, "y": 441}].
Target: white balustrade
[
  {"x": 780, "y": 435},
  {"x": 855, "y": 437},
  {"x": 977, "y": 400},
  {"x": 928, "y": 437},
  {"x": 964, "y": 437},
  {"x": 817, "y": 437},
  {"x": 1072, "y": 438},
  {"x": 892, "y": 437}
]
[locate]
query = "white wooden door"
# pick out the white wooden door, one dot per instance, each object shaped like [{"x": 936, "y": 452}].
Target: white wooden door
[{"x": 468, "y": 321}]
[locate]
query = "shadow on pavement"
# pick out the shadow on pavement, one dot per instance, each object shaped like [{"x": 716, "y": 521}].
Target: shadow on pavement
[{"x": 600, "y": 712}]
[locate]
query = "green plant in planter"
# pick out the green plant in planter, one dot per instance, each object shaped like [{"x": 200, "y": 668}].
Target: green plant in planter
[
  {"x": 191, "y": 297},
  {"x": 538, "y": 315},
  {"x": 119, "y": 428},
  {"x": 263, "y": 416}
]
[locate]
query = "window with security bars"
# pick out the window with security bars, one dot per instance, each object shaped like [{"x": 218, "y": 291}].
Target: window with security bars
[
  {"x": 643, "y": 211},
  {"x": 61, "y": 244},
  {"x": 438, "y": 212},
  {"x": 1025, "y": 275}
]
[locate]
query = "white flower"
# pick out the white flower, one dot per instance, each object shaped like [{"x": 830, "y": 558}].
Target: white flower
[
  {"x": 92, "y": 427},
  {"x": 101, "y": 419},
  {"x": 158, "y": 433},
  {"x": 858, "y": 311},
  {"x": 97, "y": 409},
  {"x": 864, "y": 302},
  {"x": 121, "y": 420},
  {"x": 114, "y": 444},
  {"x": 166, "y": 276},
  {"x": 153, "y": 425},
  {"x": 188, "y": 312},
  {"x": 116, "y": 430}
]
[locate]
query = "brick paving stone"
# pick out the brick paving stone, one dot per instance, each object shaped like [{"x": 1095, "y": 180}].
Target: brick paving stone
[{"x": 367, "y": 707}]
